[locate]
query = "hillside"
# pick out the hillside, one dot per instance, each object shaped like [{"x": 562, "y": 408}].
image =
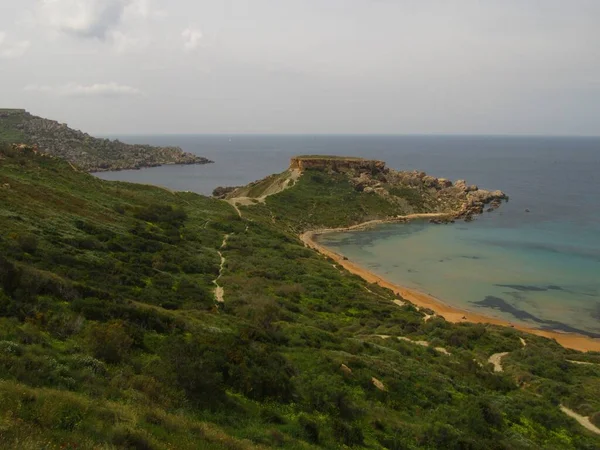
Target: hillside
[
  {"x": 334, "y": 191},
  {"x": 111, "y": 336},
  {"x": 89, "y": 153}
]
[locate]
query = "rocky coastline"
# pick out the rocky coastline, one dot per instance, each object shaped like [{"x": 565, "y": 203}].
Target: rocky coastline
[{"x": 88, "y": 153}]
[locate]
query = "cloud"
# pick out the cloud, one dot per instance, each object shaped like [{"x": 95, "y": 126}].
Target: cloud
[
  {"x": 192, "y": 38},
  {"x": 110, "y": 90},
  {"x": 12, "y": 49},
  {"x": 88, "y": 19}
]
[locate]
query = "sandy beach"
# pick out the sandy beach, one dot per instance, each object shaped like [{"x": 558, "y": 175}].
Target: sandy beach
[{"x": 450, "y": 313}]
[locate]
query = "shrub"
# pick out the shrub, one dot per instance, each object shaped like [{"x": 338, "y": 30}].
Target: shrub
[
  {"x": 130, "y": 439},
  {"x": 109, "y": 341},
  {"x": 28, "y": 242}
]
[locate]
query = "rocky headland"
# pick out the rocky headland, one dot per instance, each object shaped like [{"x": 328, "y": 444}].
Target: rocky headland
[
  {"x": 401, "y": 193},
  {"x": 89, "y": 153}
]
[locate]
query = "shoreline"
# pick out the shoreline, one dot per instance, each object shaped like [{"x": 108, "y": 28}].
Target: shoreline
[{"x": 449, "y": 313}]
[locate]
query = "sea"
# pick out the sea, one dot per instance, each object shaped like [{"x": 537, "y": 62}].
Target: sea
[{"x": 535, "y": 261}]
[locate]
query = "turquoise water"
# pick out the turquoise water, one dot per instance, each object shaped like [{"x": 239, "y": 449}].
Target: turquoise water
[
  {"x": 542, "y": 276},
  {"x": 540, "y": 267}
]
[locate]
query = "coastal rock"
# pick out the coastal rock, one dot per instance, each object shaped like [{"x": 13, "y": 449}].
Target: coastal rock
[{"x": 221, "y": 191}]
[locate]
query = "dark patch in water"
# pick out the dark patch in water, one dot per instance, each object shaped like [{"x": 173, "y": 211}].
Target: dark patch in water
[
  {"x": 503, "y": 306},
  {"x": 555, "y": 288},
  {"x": 523, "y": 288},
  {"x": 595, "y": 312},
  {"x": 470, "y": 257}
]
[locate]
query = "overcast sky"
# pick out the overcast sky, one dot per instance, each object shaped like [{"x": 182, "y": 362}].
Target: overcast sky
[{"x": 305, "y": 66}]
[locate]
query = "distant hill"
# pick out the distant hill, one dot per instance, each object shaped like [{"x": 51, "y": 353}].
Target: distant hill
[{"x": 89, "y": 153}]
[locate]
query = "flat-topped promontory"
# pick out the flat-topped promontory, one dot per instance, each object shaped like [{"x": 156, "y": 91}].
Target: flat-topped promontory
[
  {"x": 321, "y": 162},
  {"x": 325, "y": 191}
]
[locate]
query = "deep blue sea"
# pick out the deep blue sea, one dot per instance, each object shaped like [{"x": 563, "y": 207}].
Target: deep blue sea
[{"x": 540, "y": 267}]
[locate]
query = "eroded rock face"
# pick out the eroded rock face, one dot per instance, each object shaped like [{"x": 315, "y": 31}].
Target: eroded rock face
[
  {"x": 336, "y": 164},
  {"x": 415, "y": 190},
  {"x": 221, "y": 192}
]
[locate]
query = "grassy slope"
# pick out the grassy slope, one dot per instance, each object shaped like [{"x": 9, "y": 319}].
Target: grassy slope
[
  {"x": 109, "y": 339},
  {"x": 8, "y": 131},
  {"x": 320, "y": 200}
]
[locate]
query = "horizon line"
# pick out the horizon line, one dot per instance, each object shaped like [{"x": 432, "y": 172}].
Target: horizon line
[{"x": 524, "y": 135}]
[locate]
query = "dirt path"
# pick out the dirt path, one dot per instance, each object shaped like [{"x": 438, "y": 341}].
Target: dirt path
[
  {"x": 219, "y": 291},
  {"x": 421, "y": 343},
  {"x": 582, "y": 363},
  {"x": 496, "y": 360},
  {"x": 233, "y": 203},
  {"x": 277, "y": 187},
  {"x": 583, "y": 421}
]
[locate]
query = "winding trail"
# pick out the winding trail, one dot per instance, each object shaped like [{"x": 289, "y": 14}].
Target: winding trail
[
  {"x": 582, "y": 363},
  {"x": 496, "y": 360},
  {"x": 583, "y": 421},
  {"x": 421, "y": 343},
  {"x": 233, "y": 203},
  {"x": 219, "y": 291}
]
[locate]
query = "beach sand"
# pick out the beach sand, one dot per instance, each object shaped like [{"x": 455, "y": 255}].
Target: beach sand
[{"x": 451, "y": 314}]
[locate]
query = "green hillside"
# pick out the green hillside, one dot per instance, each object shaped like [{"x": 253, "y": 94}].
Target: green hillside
[{"x": 111, "y": 338}]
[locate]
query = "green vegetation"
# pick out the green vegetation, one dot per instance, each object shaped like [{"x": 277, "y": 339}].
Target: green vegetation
[
  {"x": 326, "y": 200},
  {"x": 110, "y": 336},
  {"x": 9, "y": 130}
]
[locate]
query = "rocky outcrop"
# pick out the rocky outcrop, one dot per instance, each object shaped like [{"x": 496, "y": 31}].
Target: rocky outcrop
[
  {"x": 407, "y": 192},
  {"x": 89, "y": 153},
  {"x": 336, "y": 164},
  {"x": 221, "y": 192},
  {"x": 427, "y": 193}
]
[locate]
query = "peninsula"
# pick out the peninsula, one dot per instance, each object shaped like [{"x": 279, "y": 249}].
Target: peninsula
[{"x": 86, "y": 152}]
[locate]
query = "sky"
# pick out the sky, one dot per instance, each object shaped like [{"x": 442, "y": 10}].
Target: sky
[{"x": 305, "y": 66}]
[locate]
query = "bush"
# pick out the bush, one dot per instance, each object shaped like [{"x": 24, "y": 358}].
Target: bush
[
  {"x": 197, "y": 367},
  {"x": 310, "y": 428},
  {"x": 130, "y": 439},
  {"x": 27, "y": 242},
  {"x": 109, "y": 341}
]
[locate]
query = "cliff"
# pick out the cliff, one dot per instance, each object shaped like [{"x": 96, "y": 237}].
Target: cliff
[
  {"x": 89, "y": 153},
  {"x": 336, "y": 163}
]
